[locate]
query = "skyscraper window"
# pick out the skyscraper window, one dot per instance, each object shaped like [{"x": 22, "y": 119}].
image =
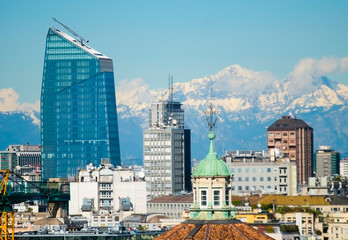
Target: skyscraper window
[{"x": 78, "y": 107}]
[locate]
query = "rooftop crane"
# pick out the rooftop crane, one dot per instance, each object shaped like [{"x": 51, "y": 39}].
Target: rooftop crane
[
  {"x": 24, "y": 190},
  {"x": 82, "y": 40}
]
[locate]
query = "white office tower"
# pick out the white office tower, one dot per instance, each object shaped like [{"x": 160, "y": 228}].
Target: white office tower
[{"x": 167, "y": 151}]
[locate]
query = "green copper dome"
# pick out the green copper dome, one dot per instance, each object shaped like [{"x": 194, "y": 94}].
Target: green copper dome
[{"x": 211, "y": 166}]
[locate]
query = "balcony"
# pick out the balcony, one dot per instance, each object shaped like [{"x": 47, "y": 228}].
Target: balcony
[{"x": 103, "y": 196}]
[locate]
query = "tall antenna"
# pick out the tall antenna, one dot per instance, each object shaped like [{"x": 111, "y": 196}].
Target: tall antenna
[
  {"x": 81, "y": 39},
  {"x": 170, "y": 99},
  {"x": 211, "y": 119},
  {"x": 170, "y": 88}
]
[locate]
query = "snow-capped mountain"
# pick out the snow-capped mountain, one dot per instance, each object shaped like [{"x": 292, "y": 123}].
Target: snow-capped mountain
[{"x": 247, "y": 102}]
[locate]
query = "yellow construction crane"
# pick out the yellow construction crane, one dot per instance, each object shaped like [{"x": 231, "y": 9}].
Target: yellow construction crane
[
  {"x": 22, "y": 190},
  {"x": 7, "y": 213}
]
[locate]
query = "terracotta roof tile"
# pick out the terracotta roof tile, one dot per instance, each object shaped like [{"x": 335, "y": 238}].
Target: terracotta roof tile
[
  {"x": 294, "y": 200},
  {"x": 223, "y": 229},
  {"x": 173, "y": 199}
]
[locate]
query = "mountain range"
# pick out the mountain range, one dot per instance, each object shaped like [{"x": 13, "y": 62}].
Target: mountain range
[{"x": 247, "y": 102}]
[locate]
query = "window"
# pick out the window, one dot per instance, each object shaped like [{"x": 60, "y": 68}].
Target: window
[
  {"x": 254, "y": 179},
  {"x": 239, "y": 188},
  {"x": 239, "y": 179},
  {"x": 246, "y": 179},
  {"x": 268, "y": 169},
  {"x": 216, "y": 197},
  {"x": 203, "y": 198},
  {"x": 268, "y": 179},
  {"x": 261, "y": 179},
  {"x": 239, "y": 170}
]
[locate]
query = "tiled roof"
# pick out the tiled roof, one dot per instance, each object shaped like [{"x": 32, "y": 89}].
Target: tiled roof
[
  {"x": 294, "y": 200},
  {"x": 334, "y": 200},
  {"x": 288, "y": 124},
  {"x": 173, "y": 199},
  {"x": 252, "y": 199},
  {"x": 210, "y": 229},
  {"x": 48, "y": 221}
]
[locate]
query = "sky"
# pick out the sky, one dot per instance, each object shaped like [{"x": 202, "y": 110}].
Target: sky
[{"x": 188, "y": 39}]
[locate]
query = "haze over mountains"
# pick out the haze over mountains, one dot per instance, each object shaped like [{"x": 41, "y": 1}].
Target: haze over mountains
[{"x": 247, "y": 102}]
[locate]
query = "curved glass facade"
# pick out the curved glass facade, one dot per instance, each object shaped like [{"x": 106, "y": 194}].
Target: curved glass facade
[{"x": 78, "y": 108}]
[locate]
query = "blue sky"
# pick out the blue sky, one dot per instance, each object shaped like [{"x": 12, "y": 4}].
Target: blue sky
[{"x": 188, "y": 39}]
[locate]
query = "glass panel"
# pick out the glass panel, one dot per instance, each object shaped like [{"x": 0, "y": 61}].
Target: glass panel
[{"x": 78, "y": 110}]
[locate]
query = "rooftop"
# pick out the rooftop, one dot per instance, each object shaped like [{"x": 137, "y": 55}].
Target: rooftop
[
  {"x": 213, "y": 229},
  {"x": 173, "y": 199},
  {"x": 85, "y": 47},
  {"x": 288, "y": 123},
  {"x": 294, "y": 200}
]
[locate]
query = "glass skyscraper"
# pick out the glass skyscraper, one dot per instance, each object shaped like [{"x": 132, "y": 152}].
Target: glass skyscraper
[{"x": 78, "y": 107}]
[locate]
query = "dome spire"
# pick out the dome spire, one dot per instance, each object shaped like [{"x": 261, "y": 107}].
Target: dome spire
[
  {"x": 211, "y": 137},
  {"x": 211, "y": 120}
]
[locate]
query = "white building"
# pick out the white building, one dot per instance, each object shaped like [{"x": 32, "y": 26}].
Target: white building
[
  {"x": 167, "y": 151},
  {"x": 254, "y": 173},
  {"x": 344, "y": 167},
  {"x": 104, "y": 196}
]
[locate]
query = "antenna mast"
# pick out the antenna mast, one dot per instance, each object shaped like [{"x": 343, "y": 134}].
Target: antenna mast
[
  {"x": 211, "y": 120},
  {"x": 170, "y": 88},
  {"x": 81, "y": 39},
  {"x": 170, "y": 99}
]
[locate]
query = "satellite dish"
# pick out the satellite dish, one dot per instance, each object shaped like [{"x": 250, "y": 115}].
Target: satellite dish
[
  {"x": 174, "y": 121},
  {"x": 260, "y": 210},
  {"x": 141, "y": 174},
  {"x": 258, "y": 205}
]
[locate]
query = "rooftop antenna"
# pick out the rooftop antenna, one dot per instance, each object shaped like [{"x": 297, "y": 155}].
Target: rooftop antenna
[
  {"x": 170, "y": 88},
  {"x": 170, "y": 99},
  {"x": 81, "y": 39},
  {"x": 211, "y": 119}
]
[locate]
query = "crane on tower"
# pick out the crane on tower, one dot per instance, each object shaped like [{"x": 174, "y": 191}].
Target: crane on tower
[{"x": 81, "y": 39}]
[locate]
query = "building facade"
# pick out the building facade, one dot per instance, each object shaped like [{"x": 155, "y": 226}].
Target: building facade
[
  {"x": 78, "y": 107},
  {"x": 327, "y": 162},
  {"x": 105, "y": 195},
  {"x": 344, "y": 167},
  {"x": 167, "y": 151},
  {"x": 304, "y": 221},
  {"x": 256, "y": 174},
  {"x": 263, "y": 177},
  {"x": 171, "y": 206},
  {"x": 294, "y": 139},
  {"x": 22, "y": 159}
]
